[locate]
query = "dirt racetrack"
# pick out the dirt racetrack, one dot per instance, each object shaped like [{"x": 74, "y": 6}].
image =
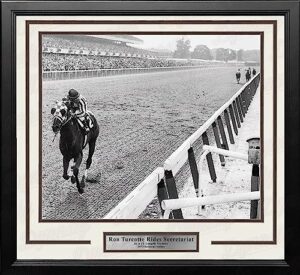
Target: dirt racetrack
[{"x": 143, "y": 119}]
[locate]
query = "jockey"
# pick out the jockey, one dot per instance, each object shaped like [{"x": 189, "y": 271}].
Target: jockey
[
  {"x": 78, "y": 108},
  {"x": 238, "y": 75}
]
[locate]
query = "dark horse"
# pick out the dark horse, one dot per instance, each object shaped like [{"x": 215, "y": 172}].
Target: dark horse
[
  {"x": 72, "y": 141},
  {"x": 248, "y": 75},
  {"x": 238, "y": 77}
]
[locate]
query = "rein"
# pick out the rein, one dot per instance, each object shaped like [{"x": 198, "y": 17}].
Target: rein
[
  {"x": 70, "y": 117},
  {"x": 62, "y": 125},
  {"x": 54, "y": 137}
]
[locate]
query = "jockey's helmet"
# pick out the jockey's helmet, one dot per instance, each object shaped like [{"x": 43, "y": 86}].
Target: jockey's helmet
[{"x": 73, "y": 95}]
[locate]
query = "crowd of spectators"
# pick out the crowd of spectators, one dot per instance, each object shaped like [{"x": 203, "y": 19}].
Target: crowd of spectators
[
  {"x": 68, "y": 62},
  {"x": 75, "y": 42}
]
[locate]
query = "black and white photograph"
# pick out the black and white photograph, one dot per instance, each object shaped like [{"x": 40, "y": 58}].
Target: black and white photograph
[
  {"x": 149, "y": 134},
  {"x": 150, "y": 126},
  {"x": 148, "y": 138}
]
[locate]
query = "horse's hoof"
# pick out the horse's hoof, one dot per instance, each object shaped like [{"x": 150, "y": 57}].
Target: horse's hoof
[
  {"x": 66, "y": 177},
  {"x": 80, "y": 190},
  {"x": 73, "y": 180}
]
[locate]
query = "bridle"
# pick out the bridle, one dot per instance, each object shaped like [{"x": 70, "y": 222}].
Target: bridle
[{"x": 62, "y": 124}]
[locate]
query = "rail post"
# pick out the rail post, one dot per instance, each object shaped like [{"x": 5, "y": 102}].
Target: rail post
[
  {"x": 222, "y": 131},
  {"x": 236, "y": 114},
  {"x": 172, "y": 192},
  {"x": 252, "y": 90},
  {"x": 194, "y": 169},
  {"x": 234, "y": 123},
  {"x": 239, "y": 98},
  {"x": 218, "y": 142},
  {"x": 201, "y": 193},
  {"x": 209, "y": 159},
  {"x": 248, "y": 96},
  {"x": 245, "y": 94},
  {"x": 228, "y": 126},
  {"x": 239, "y": 110},
  {"x": 243, "y": 100},
  {"x": 195, "y": 173},
  {"x": 162, "y": 195}
]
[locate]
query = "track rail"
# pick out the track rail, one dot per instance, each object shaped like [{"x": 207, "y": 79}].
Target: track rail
[{"x": 161, "y": 181}]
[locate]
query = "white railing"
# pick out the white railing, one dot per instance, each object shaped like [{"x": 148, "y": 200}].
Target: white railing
[
  {"x": 64, "y": 75},
  {"x": 226, "y": 153},
  {"x": 137, "y": 200},
  {"x": 173, "y": 204}
]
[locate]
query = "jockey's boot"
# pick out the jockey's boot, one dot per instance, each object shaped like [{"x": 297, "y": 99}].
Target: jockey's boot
[
  {"x": 89, "y": 122},
  {"x": 86, "y": 126}
]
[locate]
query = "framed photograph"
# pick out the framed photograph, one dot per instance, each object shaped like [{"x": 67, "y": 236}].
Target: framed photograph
[{"x": 149, "y": 133}]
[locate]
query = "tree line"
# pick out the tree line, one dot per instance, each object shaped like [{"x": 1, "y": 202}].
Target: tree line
[{"x": 183, "y": 50}]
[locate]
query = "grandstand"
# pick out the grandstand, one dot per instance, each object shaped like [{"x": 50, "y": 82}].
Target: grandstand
[
  {"x": 67, "y": 62},
  {"x": 74, "y": 52},
  {"x": 94, "y": 45},
  {"x": 90, "y": 52}
]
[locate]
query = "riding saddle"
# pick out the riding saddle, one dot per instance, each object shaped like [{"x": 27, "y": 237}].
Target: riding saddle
[{"x": 86, "y": 124}]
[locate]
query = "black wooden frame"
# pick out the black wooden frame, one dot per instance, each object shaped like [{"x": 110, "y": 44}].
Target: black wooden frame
[{"x": 10, "y": 9}]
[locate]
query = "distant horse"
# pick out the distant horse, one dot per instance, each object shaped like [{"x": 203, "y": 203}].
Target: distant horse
[
  {"x": 248, "y": 75},
  {"x": 238, "y": 77},
  {"x": 72, "y": 141}
]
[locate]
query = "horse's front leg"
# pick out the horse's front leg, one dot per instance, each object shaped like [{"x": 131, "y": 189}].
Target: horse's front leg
[
  {"x": 66, "y": 167},
  {"x": 78, "y": 161}
]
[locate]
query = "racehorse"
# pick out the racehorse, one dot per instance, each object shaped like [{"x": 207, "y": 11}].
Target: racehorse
[
  {"x": 238, "y": 77},
  {"x": 248, "y": 75},
  {"x": 72, "y": 142}
]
